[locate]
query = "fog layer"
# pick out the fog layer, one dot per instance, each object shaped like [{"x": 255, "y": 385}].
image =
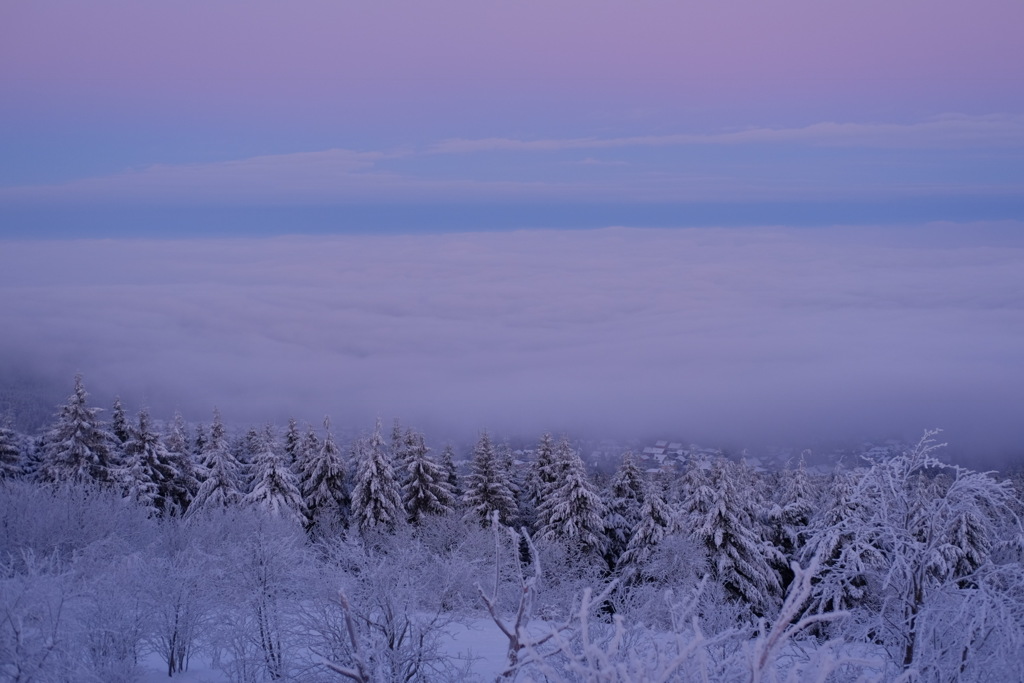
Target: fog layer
[{"x": 753, "y": 334}]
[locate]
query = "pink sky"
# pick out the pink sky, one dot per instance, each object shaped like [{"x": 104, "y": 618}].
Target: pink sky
[{"x": 332, "y": 59}]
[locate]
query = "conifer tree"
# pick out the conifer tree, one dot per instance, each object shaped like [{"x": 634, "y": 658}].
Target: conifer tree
[
  {"x": 322, "y": 479},
  {"x": 119, "y": 426},
  {"x": 623, "y": 508},
  {"x": 249, "y": 449},
  {"x": 695, "y": 492},
  {"x": 846, "y": 556},
  {"x": 78, "y": 448},
  {"x": 221, "y": 472},
  {"x": 199, "y": 449},
  {"x": 540, "y": 480},
  {"x": 399, "y": 453},
  {"x": 150, "y": 473},
  {"x": 376, "y": 496},
  {"x": 656, "y": 521},
  {"x": 186, "y": 483},
  {"x": 310, "y": 443},
  {"x": 487, "y": 487},
  {"x": 10, "y": 453},
  {"x": 790, "y": 518},
  {"x": 451, "y": 473},
  {"x": 177, "y": 440},
  {"x": 573, "y": 511},
  {"x": 743, "y": 561},
  {"x": 425, "y": 489},
  {"x": 292, "y": 442},
  {"x": 274, "y": 489}
]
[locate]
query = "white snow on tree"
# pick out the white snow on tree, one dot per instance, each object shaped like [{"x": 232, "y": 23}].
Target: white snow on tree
[
  {"x": 186, "y": 484},
  {"x": 177, "y": 440},
  {"x": 507, "y": 462},
  {"x": 913, "y": 509},
  {"x": 723, "y": 522},
  {"x": 573, "y": 510},
  {"x": 487, "y": 486},
  {"x": 656, "y": 521},
  {"x": 425, "y": 489},
  {"x": 310, "y": 443},
  {"x": 221, "y": 472},
  {"x": 292, "y": 441},
  {"x": 119, "y": 426},
  {"x": 10, "y": 453},
  {"x": 198, "y": 448},
  {"x": 322, "y": 479},
  {"x": 150, "y": 474},
  {"x": 844, "y": 554},
  {"x": 451, "y": 474},
  {"x": 399, "y": 453},
  {"x": 625, "y": 498},
  {"x": 274, "y": 489},
  {"x": 787, "y": 520},
  {"x": 376, "y": 496},
  {"x": 797, "y": 498},
  {"x": 78, "y": 448},
  {"x": 540, "y": 480}
]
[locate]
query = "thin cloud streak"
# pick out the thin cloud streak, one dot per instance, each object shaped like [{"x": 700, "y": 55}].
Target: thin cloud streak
[
  {"x": 410, "y": 174},
  {"x": 719, "y": 334},
  {"x": 949, "y": 131}
]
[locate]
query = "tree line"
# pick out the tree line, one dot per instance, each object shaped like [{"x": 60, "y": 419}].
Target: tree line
[{"x": 918, "y": 561}]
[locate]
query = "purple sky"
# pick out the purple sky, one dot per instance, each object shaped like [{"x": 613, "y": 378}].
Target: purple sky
[
  {"x": 886, "y": 105},
  {"x": 803, "y": 216}
]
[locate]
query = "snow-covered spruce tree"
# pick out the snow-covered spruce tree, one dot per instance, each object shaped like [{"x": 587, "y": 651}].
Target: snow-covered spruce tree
[
  {"x": 78, "y": 448},
  {"x": 573, "y": 511},
  {"x": 540, "y": 480},
  {"x": 274, "y": 489},
  {"x": 149, "y": 472},
  {"x": 198, "y": 449},
  {"x": 177, "y": 440},
  {"x": 694, "y": 486},
  {"x": 309, "y": 444},
  {"x": 249, "y": 449},
  {"x": 789, "y": 518},
  {"x": 322, "y": 480},
  {"x": 656, "y": 520},
  {"x": 844, "y": 555},
  {"x": 487, "y": 487},
  {"x": 451, "y": 474},
  {"x": 221, "y": 472},
  {"x": 376, "y": 496},
  {"x": 507, "y": 462},
  {"x": 727, "y": 528},
  {"x": 292, "y": 442},
  {"x": 796, "y": 504},
  {"x": 186, "y": 484},
  {"x": 425, "y": 488},
  {"x": 399, "y": 450},
  {"x": 10, "y": 453},
  {"x": 623, "y": 503},
  {"x": 119, "y": 426}
]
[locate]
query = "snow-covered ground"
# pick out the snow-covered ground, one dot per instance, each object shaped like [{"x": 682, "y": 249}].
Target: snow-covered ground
[{"x": 476, "y": 641}]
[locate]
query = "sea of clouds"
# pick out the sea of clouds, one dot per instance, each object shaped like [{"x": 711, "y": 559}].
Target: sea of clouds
[{"x": 759, "y": 334}]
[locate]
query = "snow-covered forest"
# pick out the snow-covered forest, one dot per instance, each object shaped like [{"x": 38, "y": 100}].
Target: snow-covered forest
[{"x": 286, "y": 554}]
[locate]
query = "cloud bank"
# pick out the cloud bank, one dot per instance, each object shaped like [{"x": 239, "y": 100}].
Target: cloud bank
[
  {"x": 937, "y": 157},
  {"x": 728, "y": 334}
]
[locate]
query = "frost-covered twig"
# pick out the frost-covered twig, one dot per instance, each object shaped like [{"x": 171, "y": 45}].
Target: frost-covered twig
[
  {"x": 361, "y": 673},
  {"x": 515, "y": 631}
]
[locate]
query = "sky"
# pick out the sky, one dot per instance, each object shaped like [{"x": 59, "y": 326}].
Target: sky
[{"x": 322, "y": 177}]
